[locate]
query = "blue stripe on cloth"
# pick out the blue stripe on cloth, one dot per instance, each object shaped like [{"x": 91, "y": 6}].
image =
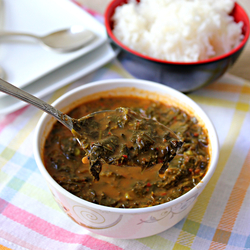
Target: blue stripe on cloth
[
  {"x": 237, "y": 240},
  {"x": 19, "y": 158},
  {"x": 31, "y": 165},
  {"x": 17, "y": 181},
  {"x": 7, "y": 193},
  {"x": 206, "y": 232},
  {"x": 24, "y": 174},
  {"x": 2, "y": 148},
  {"x": 247, "y": 245}
]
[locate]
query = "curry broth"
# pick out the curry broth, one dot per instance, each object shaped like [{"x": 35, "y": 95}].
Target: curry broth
[{"x": 126, "y": 186}]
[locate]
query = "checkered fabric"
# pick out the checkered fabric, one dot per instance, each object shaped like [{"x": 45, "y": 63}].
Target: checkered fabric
[{"x": 220, "y": 219}]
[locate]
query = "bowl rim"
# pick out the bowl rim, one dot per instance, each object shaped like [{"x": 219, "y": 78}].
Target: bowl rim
[
  {"x": 136, "y": 84},
  {"x": 115, "y": 3}
]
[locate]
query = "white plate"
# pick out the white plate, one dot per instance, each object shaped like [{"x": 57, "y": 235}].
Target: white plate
[
  {"x": 25, "y": 60},
  {"x": 61, "y": 77}
]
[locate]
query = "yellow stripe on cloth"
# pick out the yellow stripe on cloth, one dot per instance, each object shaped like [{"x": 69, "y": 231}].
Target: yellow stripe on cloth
[
  {"x": 242, "y": 106},
  {"x": 156, "y": 242},
  {"x": 199, "y": 209},
  {"x": 40, "y": 195},
  {"x": 235, "y": 201},
  {"x": 213, "y": 101},
  {"x": 244, "y": 96},
  {"x": 185, "y": 239}
]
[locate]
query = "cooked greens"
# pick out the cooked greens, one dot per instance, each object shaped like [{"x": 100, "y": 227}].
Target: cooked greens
[
  {"x": 148, "y": 171},
  {"x": 123, "y": 137}
]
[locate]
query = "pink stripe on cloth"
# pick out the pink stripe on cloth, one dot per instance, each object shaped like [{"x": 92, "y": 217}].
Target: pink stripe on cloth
[
  {"x": 53, "y": 232},
  {"x": 11, "y": 117},
  {"x": 14, "y": 240}
]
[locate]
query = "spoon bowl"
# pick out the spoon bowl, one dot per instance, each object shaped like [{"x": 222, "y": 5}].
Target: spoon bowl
[
  {"x": 113, "y": 130},
  {"x": 66, "y": 40},
  {"x": 124, "y": 137}
]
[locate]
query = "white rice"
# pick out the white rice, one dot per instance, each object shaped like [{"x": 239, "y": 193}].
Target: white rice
[{"x": 178, "y": 30}]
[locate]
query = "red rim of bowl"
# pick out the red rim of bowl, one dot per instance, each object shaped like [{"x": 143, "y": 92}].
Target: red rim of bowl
[{"x": 241, "y": 15}]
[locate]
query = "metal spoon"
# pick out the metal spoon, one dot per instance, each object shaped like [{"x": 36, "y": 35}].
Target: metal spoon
[
  {"x": 112, "y": 127},
  {"x": 2, "y": 73},
  {"x": 65, "y": 40}
]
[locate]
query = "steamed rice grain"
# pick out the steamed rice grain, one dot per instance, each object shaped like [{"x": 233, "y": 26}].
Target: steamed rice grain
[{"x": 178, "y": 30}]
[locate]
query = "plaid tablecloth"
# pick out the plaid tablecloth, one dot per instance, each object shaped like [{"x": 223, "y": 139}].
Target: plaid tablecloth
[{"x": 220, "y": 219}]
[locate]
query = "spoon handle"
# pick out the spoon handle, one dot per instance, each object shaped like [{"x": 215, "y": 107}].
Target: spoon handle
[
  {"x": 26, "y": 97},
  {"x": 9, "y": 33}
]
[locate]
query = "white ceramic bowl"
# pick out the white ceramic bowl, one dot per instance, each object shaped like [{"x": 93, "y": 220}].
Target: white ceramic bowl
[{"x": 120, "y": 222}]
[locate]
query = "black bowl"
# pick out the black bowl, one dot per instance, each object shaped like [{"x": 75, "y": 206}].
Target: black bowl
[{"x": 184, "y": 77}]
